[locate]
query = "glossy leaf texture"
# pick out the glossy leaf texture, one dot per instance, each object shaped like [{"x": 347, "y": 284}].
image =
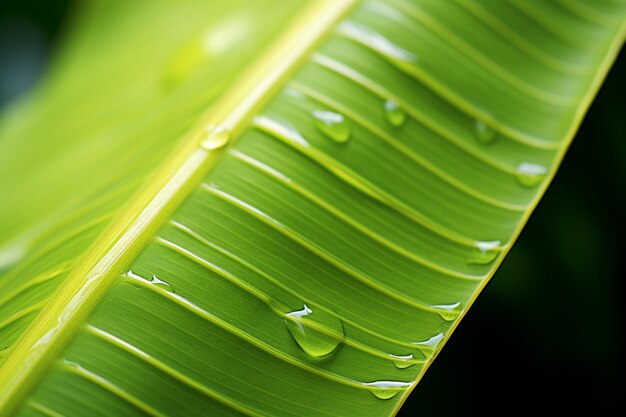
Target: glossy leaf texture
[{"x": 315, "y": 236}]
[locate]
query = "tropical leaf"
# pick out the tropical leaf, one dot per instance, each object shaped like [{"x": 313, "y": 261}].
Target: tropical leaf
[{"x": 275, "y": 208}]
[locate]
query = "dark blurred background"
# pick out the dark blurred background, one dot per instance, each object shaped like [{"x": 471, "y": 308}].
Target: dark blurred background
[{"x": 547, "y": 333}]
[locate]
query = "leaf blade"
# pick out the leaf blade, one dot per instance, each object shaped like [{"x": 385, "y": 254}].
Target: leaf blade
[{"x": 235, "y": 259}]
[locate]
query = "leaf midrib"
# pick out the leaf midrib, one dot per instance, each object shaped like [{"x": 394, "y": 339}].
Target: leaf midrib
[{"x": 168, "y": 188}]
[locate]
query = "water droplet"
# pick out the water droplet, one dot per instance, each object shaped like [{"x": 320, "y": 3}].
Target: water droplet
[
  {"x": 279, "y": 129},
  {"x": 317, "y": 333},
  {"x": 215, "y": 137},
  {"x": 448, "y": 312},
  {"x": 486, "y": 253},
  {"x": 484, "y": 133},
  {"x": 293, "y": 93},
  {"x": 334, "y": 125},
  {"x": 403, "y": 361},
  {"x": 427, "y": 347},
  {"x": 157, "y": 282},
  {"x": 376, "y": 42},
  {"x": 529, "y": 174},
  {"x": 386, "y": 389},
  {"x": 393, "y": 113}
]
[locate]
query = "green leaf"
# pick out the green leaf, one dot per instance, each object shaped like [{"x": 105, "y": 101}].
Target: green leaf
[{"x": 275, "y": 208}]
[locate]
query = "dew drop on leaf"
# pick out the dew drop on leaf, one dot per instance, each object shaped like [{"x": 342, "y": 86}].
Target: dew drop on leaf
[
  {"x": 484, "y": 133},
  {"x": 215, "y": 137},
  {"x": 428, "y": 346},
  {"x": 377, "y": 42},
  {"x": 394, "y": 113},
  {"x": 316, "y": 332},
  {"x": 448, "y": 312},
  {"x": 386, "y": 390},
  {"x": 293, "y": 93},
  {"x": 403, "y": 361},
  {"x": 164, "y": 285},
  {"x": 333, "y": 125},
  {"x": 485, "y": 252},
  {"x": 529, "y": 174}
]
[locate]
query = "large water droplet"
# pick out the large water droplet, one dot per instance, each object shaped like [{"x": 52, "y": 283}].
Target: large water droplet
[
  {"x": 317, "y": 333},
  {"x": 215, "y": 137},
  {"x": 404, "y": 361},
  {"x": 394, "y": 113},
  {"x": 484, "y": 133},
  {"x": 386, "y": 389},
  {"x": 164, "y": 285},
  {"x": 486, "y": 252},
  {"x": 529, "y": 174},
  {"x": 334, "y": 125},
  {"x": 448, "y": 312},
  {"x": 427, "y": 347}
]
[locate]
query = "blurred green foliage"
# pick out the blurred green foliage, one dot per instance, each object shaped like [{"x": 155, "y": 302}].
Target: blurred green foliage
[{"x": 567, "y": 265}]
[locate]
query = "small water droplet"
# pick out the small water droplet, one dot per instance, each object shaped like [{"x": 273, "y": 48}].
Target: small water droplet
[
  {"x": 376, "y": 42},
  {"x": 486, "y": 253},
  {"x": 317, "y": 333},
  {"x": 529, "y": 174},
  {"x": 427, "y": 347},
  {"x": 334, "y": 125},
  {"x": 215, "y": 137},
  {"x": 484, "y": 133},
  {"x": 386, "y": 390},
  {"x": 394, "y": 113},
  {"x": 293, "y": 93},
  {"x": 157, "y": 282},
  {"x": 448, "y": 312},
  {"x": 280, "y": 129},
  {"x": 403, "y": 361}
]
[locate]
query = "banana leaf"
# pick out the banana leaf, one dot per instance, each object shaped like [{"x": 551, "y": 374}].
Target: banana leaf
[{"x": 271, "y": 208}]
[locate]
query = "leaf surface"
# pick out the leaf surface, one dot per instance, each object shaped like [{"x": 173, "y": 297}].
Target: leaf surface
[{"x": 289, "y": 226}]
